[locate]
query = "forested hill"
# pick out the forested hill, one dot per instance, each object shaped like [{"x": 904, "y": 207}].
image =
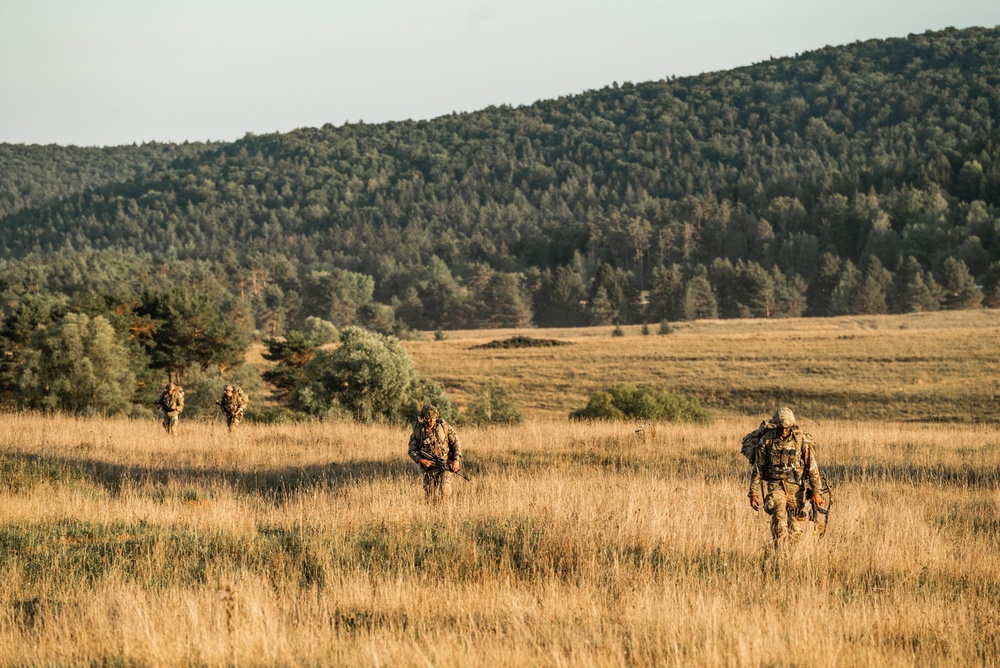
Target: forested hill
[
  {"x": 857, "y": 178},
  {"x": 32, "y": 175}
]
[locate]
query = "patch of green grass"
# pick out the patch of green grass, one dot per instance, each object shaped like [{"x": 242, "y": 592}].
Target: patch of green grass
[
  {"x": 21, "y": 473},
  {"x": 154, "y": 556}
]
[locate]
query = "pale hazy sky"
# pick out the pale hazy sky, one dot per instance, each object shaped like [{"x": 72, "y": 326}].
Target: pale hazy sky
[{"x": 107, "y": 72}]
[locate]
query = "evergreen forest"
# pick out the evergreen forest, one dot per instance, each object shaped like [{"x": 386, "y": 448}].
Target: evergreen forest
[{"x": 854, "y": 179}]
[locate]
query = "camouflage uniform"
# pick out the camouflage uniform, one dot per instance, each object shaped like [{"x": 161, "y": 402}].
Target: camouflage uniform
[
  {"x": 234, "y": 401},
  {"x": 439, "y": 441},
  {"x": 171, "y": 402},
  {"x": 787, "y": 469}
]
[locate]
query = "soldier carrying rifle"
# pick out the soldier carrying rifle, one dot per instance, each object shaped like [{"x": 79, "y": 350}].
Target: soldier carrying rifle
[
  {"x": 233, "y": 402},
  {"x": 171, "y": 404},
  {"x": 434, "y": 446},
  {"x": 783, "y": 466}
]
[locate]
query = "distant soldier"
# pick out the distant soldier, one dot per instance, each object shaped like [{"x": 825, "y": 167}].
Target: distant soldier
[
  {"x": 434, "y": 446},
  {"x": 784, "y": 465},
  {"x": 234, "y": 400},
  {"x": 171, "y": 403}
]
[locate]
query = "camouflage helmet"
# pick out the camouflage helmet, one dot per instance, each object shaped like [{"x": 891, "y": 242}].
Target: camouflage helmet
[
  {"x": 783, "y": 417},
  {"x": 170, "y": 385},
  {"x": 430, "y": 411},
  {"x": 228, "y": 388}
]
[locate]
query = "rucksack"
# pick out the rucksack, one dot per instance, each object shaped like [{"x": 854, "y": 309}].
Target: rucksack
[
  {"x": 752, "y": 440},
  {"x": 175, "y": 399}
]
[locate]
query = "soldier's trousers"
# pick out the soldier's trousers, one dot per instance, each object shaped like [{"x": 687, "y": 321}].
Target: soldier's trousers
[
  {"x": 785, "y": 503},
  {"x": 233, "y": 419},
  {"x": 170, "y": 421},
  {"x": 437, "y": 484}
]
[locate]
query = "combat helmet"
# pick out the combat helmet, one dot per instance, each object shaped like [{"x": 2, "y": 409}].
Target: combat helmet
[
  {"x": 783, "y": 417},
  {"x": 430, "y": 411}
]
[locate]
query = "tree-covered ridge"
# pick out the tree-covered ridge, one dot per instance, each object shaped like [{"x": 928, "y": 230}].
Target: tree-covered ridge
[
  {"x": 835, "y": 181},
  {"x": 32, "y": 175}
]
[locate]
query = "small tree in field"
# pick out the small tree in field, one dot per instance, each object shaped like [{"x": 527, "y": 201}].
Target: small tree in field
[
  {"x": 369, "y": 378},
  {"x": 628, "y": 402},
  {"x": 494, "y": 404}
]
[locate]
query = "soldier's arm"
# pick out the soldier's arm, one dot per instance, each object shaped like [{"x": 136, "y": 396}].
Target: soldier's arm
[
  {"x": 755, "y": 474},
  {"x": 811, "y": 468},
  {"x": 454, "y": 447}
]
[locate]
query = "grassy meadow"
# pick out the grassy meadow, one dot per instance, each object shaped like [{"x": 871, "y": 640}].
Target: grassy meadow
[
  {"x": 941, "y": 366},
  {"x": 574, "y": 544}
]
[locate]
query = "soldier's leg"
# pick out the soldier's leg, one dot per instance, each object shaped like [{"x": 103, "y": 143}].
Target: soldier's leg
[
  {"x": 432, "y": 485},
  {"x": 446, "y": 485},
  {"x": 798, "y": 514},
  {"x": 775, "y": 505}
]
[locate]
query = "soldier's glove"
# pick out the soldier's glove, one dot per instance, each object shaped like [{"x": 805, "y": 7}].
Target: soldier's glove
[
  {"x": 454, "y": 466},
  {"x": 755, "y": 502},
  {"x": 817, "y": 499},
  {"x": 426, "y": 463}
]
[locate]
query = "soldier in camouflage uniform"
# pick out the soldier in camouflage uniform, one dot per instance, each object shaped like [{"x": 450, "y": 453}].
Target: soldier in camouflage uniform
[
  {"x": 171, "y": 403},
  {"x": 434, "y": 446},
  {"x": 785, "y": 466},
  {"x": 234, "y": 401}
]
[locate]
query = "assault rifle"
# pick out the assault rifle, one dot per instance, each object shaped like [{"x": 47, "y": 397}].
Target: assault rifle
[{"x": 441, "y": 464}]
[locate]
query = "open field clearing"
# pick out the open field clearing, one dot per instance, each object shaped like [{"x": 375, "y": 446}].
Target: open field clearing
[
  {"x": 574, "y": 545},
  {"x": 941, "y": 366}
]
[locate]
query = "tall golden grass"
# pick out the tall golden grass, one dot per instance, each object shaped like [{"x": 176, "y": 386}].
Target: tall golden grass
[{"x": 574, "y": 544}]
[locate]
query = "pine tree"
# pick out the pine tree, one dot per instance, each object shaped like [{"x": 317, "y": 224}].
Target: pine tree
[
  {"x": 699, "y": 300},
  {"x": 960, "y": 291}
]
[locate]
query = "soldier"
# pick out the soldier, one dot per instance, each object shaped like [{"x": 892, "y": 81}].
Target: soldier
[
  {"x": 171, "y": 402},
  {"x": 785, "y": 466},
  {"x": 234, "y": 401},
  {"x": 434, "y": 446}
]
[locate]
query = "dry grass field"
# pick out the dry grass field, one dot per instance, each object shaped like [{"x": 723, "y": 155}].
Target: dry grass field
[
  {"x": 934, "y": 366},
  {"x": 574, "y": 544}
]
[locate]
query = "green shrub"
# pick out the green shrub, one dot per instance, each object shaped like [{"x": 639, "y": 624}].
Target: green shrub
[
  {"x": 522, "y": 342},
  {"x": 431, "y": 392},
  {"x": 368, "y": 378},
  {"x": 493, "y": 404},
  {"x": 628, "y": 402},
  {"x": 274, "y": 415}
]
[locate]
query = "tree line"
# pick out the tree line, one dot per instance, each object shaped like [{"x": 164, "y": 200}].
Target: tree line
[
  {"x": 855, "y": 179},
  {"x": 884, "y": 149}
]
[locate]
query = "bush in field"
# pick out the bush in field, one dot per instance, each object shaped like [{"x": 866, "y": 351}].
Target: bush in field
[
  {"x": 369, "y": 378},
  {"x": 319, "y": 331},
  {"x": 628, "y": 402},
  {"x": 431, "y": 392},
  {"x": 493, "y": 404}
]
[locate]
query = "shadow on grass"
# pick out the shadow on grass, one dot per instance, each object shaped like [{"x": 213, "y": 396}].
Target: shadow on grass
[{"x": 23, "y": 471}]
